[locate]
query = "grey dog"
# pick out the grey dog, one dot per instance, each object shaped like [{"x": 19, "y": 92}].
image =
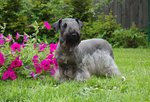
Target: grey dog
[{"x": 78, "y": 60}]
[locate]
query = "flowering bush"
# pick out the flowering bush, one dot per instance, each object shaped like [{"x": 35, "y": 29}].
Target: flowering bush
[{"x": 29, "y": 58}]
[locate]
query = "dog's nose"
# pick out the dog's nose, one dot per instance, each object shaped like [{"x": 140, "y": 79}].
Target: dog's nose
[{"x": 74, "y": 35}]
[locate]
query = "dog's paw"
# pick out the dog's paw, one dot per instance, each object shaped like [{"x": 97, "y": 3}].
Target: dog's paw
[
  {"x": 82, "y": 77},
  {"x": 63, "y": 79},
  {"x": 79, "y": 78}
]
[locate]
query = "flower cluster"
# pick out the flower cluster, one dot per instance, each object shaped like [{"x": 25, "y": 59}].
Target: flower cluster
[
  {"x": 37, "y": 66},
  {"x": 10, "y": 73},
  {"x": 16, "y": 61},
  {"x": 49, "y": 64}
]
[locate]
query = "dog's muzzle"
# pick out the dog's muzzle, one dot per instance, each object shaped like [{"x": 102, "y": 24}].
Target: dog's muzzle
[{"x": 73, "y": 39}]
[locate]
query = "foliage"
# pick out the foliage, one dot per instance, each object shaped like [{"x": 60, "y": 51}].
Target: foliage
[
  {"x": 101, "y": 28},
  {"x": 81, "y": 9},
  {"x": 107, "y": 28},
  {"x": 12, "y": 17},
  {"x": 129, "y": 38},
  {"x": 21, "y": 15}
]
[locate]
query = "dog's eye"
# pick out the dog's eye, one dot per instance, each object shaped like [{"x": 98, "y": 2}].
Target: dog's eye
[{"x": 65, "y": 25}]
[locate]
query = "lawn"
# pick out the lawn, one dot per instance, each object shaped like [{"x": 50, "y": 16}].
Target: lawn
[{"x": 134, "y": 64}]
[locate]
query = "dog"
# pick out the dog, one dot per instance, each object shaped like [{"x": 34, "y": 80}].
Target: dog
[{"x": 78, "y": 60}]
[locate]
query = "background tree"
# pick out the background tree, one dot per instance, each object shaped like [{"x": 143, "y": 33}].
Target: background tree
[
  {"x": 11, "y": 14},
  {"x": 81, "y": 9}
]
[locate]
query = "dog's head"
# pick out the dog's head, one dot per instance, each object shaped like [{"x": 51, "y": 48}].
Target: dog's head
[{"x": 69, "y": 31}]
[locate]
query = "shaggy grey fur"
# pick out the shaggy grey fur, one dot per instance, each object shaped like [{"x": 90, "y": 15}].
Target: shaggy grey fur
[{"x": 79, "y": 60}]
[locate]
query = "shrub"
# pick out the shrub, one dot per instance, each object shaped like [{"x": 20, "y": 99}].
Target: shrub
[
  {"x": 81, "y": 9},
  {"x": 107, "y": 28},
  {"x": 20, "y": 14},
  {"x": 101, "y": 28},
  {"x": 129, "y": 38}
]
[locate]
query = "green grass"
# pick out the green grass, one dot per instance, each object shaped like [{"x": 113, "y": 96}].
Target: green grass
[{"x": 134, "y": 64}]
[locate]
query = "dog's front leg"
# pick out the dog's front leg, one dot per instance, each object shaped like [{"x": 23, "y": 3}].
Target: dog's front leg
[
  {"x": 60, "y": 76},
  {"x": 82, "y": 75}
]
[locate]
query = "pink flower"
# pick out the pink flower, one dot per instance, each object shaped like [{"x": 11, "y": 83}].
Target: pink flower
[
  {"x": 2, "y": 41},
  {"x": 1, "y": 36},
  {"x": 45, "y": 64},
  {"x": 42, "y": 47},
  {"x": 53, "y": 71},
  {"x": 15, "y": 47},
  {"x": 50, "y": 56},
  {"x": 25, "y": 38},
  {"x": 5, "y": 75},
  {"x": 17, "y": 35},
  {"x": 16, "y": 63},
  {"x": 9, "y": 38},
  {"x": 33, "y": 75},
  {"x": 35, "y": 59},
  {"x": 55, "y": 62},
  {"x": 34, "y": 46},
  {"x": 53, "y": 47},
  {"x": 38, "y": 68},
  {"x": 2, "y": 59},
  {"x": 12, "y": 75},
  {"x": 9, "y": 68},
  {"x": 47, "y": 25},
  {"x": 9, "y": 74},
  {"x": 23, "y": 45}
]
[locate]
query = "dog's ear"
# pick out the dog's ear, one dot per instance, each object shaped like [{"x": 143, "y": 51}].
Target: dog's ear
[
  {"x": 79, "y": 22},
  {"x": 57, "y": 24},
  {"x": 64, "y": 26}
]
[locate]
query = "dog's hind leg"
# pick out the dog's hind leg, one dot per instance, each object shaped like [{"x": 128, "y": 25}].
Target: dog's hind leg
[{"x": 111, "y": 69}]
